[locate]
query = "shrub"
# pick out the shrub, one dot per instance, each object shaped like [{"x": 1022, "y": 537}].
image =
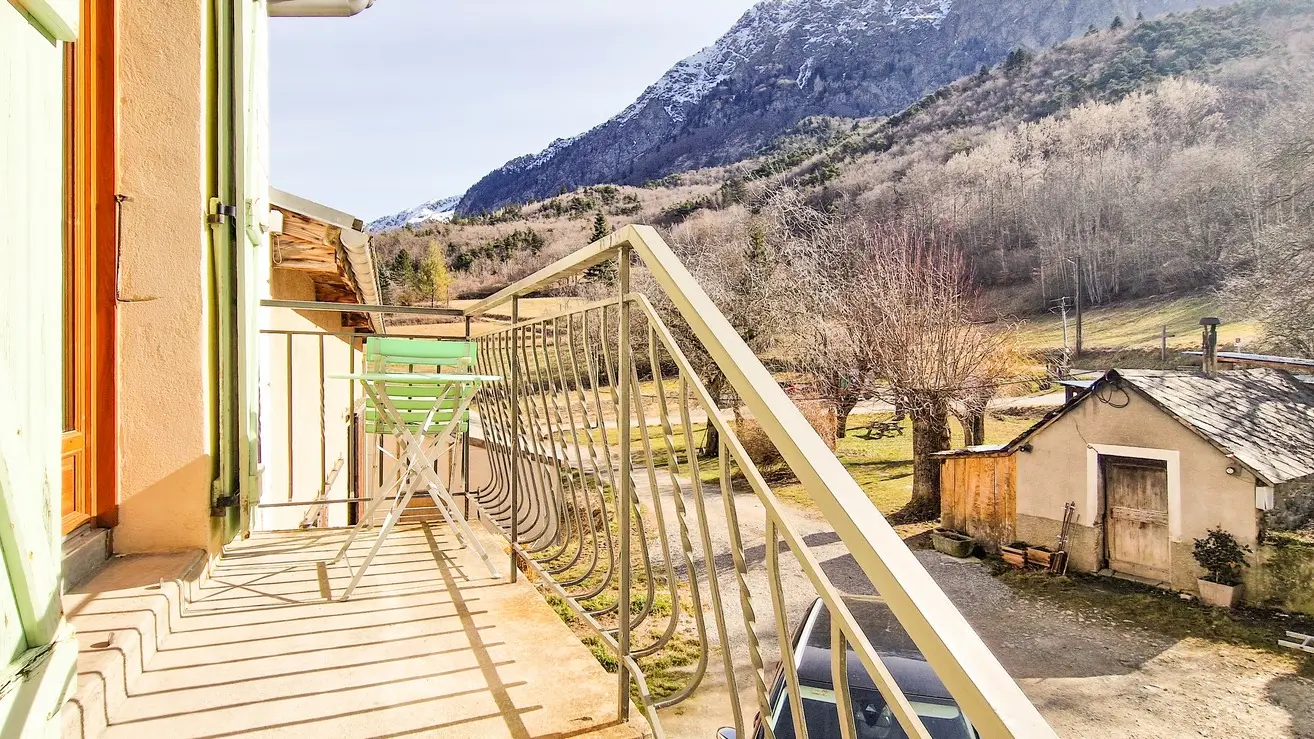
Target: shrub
[
  {"x": 1293, "y": 509},
  {"x": 1222, "y": 556},
  {"x": 677, "y": 213},
  {"x": 821, "y": 416}
]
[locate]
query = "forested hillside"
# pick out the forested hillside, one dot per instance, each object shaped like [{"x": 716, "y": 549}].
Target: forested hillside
[{"x": 1148, "y": 151}]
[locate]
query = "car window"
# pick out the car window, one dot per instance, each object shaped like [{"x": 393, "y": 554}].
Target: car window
[
  {"x": 872, "y": 717},
  {"x": 876, "y": 621}
]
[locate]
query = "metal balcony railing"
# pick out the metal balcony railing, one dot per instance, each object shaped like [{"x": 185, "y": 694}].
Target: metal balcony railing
[
  {"x": 602, "y": 497},
  {"x": 320, "y": 466}
]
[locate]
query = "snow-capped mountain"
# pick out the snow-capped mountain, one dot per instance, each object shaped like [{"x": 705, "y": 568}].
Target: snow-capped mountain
[
  {"x": 786, "y": 60},
  {"x": 441, "y": 209}
]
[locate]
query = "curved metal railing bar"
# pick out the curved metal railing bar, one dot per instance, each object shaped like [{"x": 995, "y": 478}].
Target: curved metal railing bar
[{"x": 577, "y": 524}]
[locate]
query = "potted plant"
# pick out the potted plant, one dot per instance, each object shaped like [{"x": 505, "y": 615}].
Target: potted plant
[
  {"x": 1015, "y": 553},
  {"x": 952, "y": 543},
  {"x": 1222, "y": 558}
]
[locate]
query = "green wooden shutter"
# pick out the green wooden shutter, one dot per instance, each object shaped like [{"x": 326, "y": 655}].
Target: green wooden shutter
[
  {"x": 38, "y": 653},
  {"x": 253, "y": 256}
]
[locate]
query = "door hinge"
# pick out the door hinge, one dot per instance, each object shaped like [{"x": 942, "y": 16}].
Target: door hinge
[
  {"x": 219, "y": 212},
  {"x": 220, "y": 501}
]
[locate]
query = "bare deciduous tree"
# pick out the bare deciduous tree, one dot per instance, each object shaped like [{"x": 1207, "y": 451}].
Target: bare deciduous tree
[
  {"x": 737, "y": 257},
  {"x": 1273, "y": 280},
  {"x": 827, "y": 251},
  {"x": 1277, "y": 288},
  {"x": 918, "y": 317}
]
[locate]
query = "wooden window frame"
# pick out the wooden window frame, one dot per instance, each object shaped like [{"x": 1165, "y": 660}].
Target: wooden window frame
[{"x": 92, "y": 239}]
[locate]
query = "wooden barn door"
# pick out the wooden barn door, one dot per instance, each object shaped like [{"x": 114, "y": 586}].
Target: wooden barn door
[{"x": 1136, "y": 516}]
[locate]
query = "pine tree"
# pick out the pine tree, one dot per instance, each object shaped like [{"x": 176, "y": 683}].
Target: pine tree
[
  {"x": 385, "y": 282},
  {"x": 735, "y": 191},
  {"x": 602, "y": 272},
  {"x": 1139, "y": 16},
  {"x": 600, "y": 227},
  {"x": 1017, "y": 58},
  {"x": 756, "y": 253},
  {"x": 401, "y": 274},
  {"x": 1116, "y": 24},
  {"x": 402, "y": 266}
]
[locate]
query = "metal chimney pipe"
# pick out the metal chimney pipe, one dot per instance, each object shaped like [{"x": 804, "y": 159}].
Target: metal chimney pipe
[
  {"x": 316, "y": 8},
  {"x": 1209, "y": 346}
]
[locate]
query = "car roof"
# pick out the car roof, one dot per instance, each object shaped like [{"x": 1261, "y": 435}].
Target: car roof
[{"x": 887, "y": 636}]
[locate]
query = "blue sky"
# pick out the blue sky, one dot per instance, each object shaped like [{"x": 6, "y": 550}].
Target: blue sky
[{"x": 417, "y": 99}]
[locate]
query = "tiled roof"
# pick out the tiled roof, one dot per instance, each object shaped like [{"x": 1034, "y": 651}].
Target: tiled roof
[{"x": 1263, "y": 417}]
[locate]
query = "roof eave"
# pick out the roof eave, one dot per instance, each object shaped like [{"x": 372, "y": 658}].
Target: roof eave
[
  {"x": 360, "y": 258},
  {"x": 354, "y": 257}
]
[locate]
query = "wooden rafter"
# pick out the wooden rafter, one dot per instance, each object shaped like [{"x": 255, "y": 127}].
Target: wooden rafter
[{"x": 314, "y": 248}]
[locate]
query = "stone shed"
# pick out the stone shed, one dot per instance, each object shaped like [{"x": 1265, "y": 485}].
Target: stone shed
[{"x": 1154, "y": 459}]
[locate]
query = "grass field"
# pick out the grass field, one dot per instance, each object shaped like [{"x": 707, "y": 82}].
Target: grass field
[
  {"x": 1137, "y": 325},
  {"x": 883, "y": 467}
]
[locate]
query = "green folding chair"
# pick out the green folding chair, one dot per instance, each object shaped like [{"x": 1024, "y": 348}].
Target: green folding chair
[{"x": 414, "y": 406}]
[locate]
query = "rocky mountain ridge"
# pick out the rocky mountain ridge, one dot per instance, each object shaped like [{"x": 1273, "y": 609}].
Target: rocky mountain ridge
[
  {"x": 786, "y": 60},
  {"x": 440, "y": 210}
]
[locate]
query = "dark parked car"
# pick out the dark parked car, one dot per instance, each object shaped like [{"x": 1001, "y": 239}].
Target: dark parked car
[{"x": 871, "y": 716}]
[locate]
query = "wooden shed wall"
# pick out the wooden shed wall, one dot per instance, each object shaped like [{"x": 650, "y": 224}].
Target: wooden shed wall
[{"x": 978, "y": 496}]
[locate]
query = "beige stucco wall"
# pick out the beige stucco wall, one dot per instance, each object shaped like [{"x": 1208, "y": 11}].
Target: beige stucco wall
[
  {"x": 309, "y": 469},
  {"x": 166, "y": 378},
  {"x": 1058, "y": 467}
]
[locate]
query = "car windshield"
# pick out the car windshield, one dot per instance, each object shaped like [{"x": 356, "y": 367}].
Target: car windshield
[{"x": 871, "y": 716}]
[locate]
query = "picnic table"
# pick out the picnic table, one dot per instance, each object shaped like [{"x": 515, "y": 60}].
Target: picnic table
[{"x": 884, "y": 428}]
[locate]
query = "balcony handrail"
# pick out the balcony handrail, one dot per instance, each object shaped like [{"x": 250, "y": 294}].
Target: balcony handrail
[
  {"x": 314, "y": 305},
  {"x": 984, "y": 691}
]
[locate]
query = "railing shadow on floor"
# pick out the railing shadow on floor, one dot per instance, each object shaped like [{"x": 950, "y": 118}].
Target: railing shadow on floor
[{"x": 433, "y": 651}]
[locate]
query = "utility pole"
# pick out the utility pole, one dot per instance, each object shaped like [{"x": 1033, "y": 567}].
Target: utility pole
[
  {"x": 1163, "y": 344},
  {"x": 1062, "y": 305},
  {"x": 1065, "y": 360}
]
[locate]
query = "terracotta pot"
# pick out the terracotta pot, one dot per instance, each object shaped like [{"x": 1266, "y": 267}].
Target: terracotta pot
[
  {"x": 952, "y": 543},
  {"x": 1014, "y": 555},
  {"x": 1039, "y": 556},
  {"x": 1217, "y": 594}
]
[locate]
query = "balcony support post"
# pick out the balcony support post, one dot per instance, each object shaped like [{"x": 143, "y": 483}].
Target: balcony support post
[
  {"x": 465, "y": 452},
  {"x": 625, "y": 494},
  {"x": 515, "y": 435}
]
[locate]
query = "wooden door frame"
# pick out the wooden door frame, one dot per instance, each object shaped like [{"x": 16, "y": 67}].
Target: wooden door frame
[
  {"x": 1106, "y": 548},
  {"x": 91, "y": 179},
  {"x": 1095, "y": 483}
]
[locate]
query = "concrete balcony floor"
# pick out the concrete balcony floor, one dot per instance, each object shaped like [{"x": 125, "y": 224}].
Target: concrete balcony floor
[{"x": 429, "y": 645}]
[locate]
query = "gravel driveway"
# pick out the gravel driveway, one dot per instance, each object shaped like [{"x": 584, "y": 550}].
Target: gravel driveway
[{"x": 1090, "y": 676}]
